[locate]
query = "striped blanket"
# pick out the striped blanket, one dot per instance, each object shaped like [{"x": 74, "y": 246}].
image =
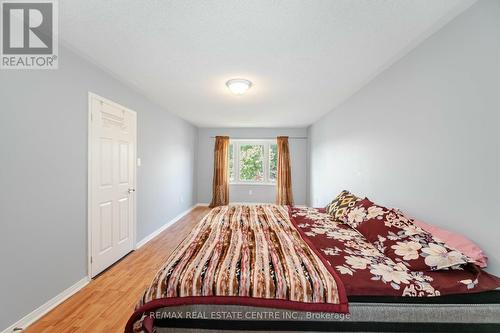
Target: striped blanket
[{"x": 244, "y": 255}]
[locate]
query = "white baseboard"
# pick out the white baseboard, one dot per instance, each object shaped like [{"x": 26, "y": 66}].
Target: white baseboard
[
  {"x": 45, "y": 308},
  {"x": 155, "y": 233}
]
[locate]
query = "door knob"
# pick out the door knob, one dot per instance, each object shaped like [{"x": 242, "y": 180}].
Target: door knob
[{"x": 130, "y": 190}]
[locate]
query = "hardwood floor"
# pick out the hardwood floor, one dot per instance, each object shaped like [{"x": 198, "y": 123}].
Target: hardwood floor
[{"x": 106, "y": 303}]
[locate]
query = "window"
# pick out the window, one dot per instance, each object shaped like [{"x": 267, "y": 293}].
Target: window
[
  {"x": 273, "y": 161},
  {"x": 231, "y": 162},
  {"x": 252, "y": 162}
]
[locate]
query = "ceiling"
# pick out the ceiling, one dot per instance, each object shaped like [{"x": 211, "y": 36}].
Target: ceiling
[{"x": 303, "y": 57}]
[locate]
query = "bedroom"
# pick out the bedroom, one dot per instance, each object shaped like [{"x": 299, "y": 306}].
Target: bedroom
[{"x": 395, "y": 101}]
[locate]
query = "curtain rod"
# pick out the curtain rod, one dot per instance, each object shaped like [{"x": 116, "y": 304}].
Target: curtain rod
[{"x": 265, "y": 138}]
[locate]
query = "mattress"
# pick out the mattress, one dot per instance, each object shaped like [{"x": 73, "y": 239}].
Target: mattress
[{"x": 453, "y": 313}]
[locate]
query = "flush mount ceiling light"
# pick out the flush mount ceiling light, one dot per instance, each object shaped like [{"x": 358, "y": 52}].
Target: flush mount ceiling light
[{"x": 238, "y": 86}]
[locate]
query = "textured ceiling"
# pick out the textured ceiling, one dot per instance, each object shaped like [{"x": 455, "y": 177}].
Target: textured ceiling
[{"x": 303, "y": 57}]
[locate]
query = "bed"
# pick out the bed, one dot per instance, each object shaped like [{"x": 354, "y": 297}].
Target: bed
[{"x": 278, "y": 268}]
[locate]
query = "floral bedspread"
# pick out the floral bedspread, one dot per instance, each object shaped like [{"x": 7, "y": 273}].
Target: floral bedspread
[
  {"x": 364, "y": 270},
  {"x": 249, "y": 255}
]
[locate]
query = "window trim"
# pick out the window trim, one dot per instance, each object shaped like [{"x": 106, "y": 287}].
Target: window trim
[{"x": 266, "y": 162}]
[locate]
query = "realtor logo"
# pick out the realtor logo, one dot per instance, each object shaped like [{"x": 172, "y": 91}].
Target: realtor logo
[{"x": 29, "y": 34}]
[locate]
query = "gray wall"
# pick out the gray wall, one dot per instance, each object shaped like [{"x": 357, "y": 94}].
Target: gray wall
[
  {"x": 423, "y": 136},
  {"x": 260, "y": 193},
  {"x": 43, "y": 178}
]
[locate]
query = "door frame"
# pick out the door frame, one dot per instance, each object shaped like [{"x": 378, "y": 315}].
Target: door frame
[{"x": 92, "y": 95}]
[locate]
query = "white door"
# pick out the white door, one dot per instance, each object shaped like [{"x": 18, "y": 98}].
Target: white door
[{"x": 112, "y": 181}]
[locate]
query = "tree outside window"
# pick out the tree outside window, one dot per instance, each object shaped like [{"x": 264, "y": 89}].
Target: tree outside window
[
  {"x": 251, "y": 163},
  {"x": 231, "y": 162},
  {"x": 273, "y": 162}
]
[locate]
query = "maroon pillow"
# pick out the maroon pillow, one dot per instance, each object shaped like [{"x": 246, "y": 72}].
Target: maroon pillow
[{"x": 400, "y": 239}]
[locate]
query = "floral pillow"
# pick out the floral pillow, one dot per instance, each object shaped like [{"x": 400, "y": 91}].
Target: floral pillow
[
  {"x": 341, "y": 203},
  {"x": 400, "y": 239},
  {"x": 363, "y": 211}
]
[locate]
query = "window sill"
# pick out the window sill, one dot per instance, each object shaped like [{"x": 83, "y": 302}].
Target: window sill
[{"x": 252, "y": 184}]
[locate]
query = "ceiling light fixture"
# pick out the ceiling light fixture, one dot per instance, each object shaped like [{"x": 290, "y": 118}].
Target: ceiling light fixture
[{"x": 238, "y": 86}]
